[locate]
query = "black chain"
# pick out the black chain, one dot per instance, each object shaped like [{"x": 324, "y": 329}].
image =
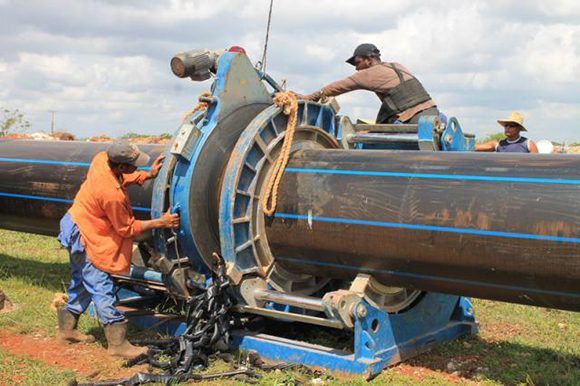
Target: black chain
[{"x": 208, "y": 321}]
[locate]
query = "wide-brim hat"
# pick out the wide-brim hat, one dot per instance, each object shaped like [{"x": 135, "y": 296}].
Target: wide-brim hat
[{"x": 514, "y": 117}]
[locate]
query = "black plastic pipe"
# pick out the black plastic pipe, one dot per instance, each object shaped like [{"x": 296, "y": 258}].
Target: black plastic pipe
[
  {"x": 503, "y": 227},
  {"x": 39, "y": 180}
]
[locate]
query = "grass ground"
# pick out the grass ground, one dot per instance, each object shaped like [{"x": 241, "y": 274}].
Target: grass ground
[{"x": 516, "y": 344}]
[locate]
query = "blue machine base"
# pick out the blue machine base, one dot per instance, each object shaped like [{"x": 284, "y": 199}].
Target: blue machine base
[{"x": 380, "y": 339}]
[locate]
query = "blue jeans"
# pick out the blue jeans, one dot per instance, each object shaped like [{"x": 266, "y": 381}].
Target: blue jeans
[{"x": 90, "y": 283}]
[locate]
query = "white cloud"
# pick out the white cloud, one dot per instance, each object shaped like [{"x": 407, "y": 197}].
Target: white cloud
[
  {"x": 320, "y": 52},
  {"x": 552, "y": 55},
  {"x": 103, "y": 65}
]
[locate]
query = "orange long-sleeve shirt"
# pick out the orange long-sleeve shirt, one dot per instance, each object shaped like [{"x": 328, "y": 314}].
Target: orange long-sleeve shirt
[{"x": 103, "y": 214}]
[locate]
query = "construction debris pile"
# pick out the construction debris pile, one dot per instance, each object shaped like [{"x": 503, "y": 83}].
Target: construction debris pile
[{"x": 64, "y": 136}]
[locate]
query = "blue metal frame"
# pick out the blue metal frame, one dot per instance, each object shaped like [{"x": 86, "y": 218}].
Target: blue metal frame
[
  {"x": 450, "y": 139},
  {"x": 381, "y": 339},
  {"x": 453, "y": 139},
  {"x": 232, "y": 67}
]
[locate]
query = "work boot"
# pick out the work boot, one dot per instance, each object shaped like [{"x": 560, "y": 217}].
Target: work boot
[
  {"x": 67, "y": 328},
  {"x": 119, "y": 346}
]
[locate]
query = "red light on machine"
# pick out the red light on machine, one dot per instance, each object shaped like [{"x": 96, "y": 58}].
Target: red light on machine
[{"x": 236, "y": 49}]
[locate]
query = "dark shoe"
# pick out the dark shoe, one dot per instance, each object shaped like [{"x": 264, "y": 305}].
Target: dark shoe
[
  {"x": 119, "y": 346},
  {"x": 67, "y": 328}
]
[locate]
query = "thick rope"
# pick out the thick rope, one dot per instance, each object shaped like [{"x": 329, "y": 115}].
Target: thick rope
[
  {"x": 289, "y": 104},
  {"x": 200, "y": 106}
]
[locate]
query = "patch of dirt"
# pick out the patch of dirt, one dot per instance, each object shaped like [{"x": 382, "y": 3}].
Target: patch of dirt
[
  {"x": 150, "y": 140},
  {"x": 17, "y": 136},
  {"x": 88, "y": 361},
  {"x": 64, "y": 136},
  {"x": 138, "y": 140},
  {"x": 100, "y": 138},
  {"x": 464, "y": 369},
  {"x": 419, "y": 373},
  {"x": 499, "y": 332}
]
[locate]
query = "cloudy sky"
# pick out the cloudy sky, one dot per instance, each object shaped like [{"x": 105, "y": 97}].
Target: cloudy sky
[{"x": 104, "y": 65}]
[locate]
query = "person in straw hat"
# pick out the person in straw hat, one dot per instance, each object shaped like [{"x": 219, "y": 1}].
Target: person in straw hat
[{"x": 513, "y": 141}]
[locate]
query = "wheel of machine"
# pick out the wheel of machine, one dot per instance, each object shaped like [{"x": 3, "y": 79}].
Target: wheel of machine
[
  {"x": 392, "y": 299},
  {"x": 242, "y": 222}
]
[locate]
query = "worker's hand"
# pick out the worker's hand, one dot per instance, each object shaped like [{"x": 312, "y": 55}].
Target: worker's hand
[
  {"x": 300, "y": 96},
  {"x": 169, "y": 220},
  {"x": 314, "y": 97},
  {"x": 156, "y": 166}
]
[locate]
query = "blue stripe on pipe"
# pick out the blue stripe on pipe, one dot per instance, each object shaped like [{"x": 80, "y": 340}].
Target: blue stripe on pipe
[
  {"x": 44, "y": 162},
  {"x": 39, "y": 198},
  {"x": 371, "y": 173},
  {"x": 479, "y": 232},
  {"x": 56, "y": 199},
  {"x": 141, "y": 209},
  {"x": 51, "y": 162},
  {"x": 430, "y": 277}
]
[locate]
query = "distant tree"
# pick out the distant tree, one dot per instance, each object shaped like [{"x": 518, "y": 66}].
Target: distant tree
[
  {"x": 492, "y": 137},
  {"x": 12, "y": 120},
  {"x": 133, "y": 135}
]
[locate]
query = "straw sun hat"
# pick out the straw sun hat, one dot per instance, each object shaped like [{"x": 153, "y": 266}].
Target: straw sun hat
[{"x": 514, "y": 117}]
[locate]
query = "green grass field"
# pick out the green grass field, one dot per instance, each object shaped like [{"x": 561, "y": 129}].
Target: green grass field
[{"x": 516, "y": 344}]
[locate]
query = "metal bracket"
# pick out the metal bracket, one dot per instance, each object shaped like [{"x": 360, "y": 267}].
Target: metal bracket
[{"x": 342, "y": 305}]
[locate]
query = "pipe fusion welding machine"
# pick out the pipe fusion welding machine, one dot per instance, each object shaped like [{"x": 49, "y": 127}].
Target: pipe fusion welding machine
[{"x": 380, "y": 230}]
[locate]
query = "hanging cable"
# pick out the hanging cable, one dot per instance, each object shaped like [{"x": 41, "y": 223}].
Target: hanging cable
[{"x": 265, "y": 52}]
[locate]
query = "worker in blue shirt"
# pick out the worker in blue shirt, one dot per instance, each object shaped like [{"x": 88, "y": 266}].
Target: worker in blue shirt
[{"x": 513, "y": 141}]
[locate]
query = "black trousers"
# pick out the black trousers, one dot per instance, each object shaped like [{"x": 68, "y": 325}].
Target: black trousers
[
  {"x": 430, "y": 111},
  {"x": 414, "y": 119}
]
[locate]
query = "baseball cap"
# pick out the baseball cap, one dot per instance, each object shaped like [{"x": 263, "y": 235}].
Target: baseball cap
[
  {"x": 123, "y": 152},
  {"x": 365, "y": 49}
]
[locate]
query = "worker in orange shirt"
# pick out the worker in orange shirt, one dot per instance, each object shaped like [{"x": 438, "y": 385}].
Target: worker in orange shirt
[{"x": 98, "y": 231}]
